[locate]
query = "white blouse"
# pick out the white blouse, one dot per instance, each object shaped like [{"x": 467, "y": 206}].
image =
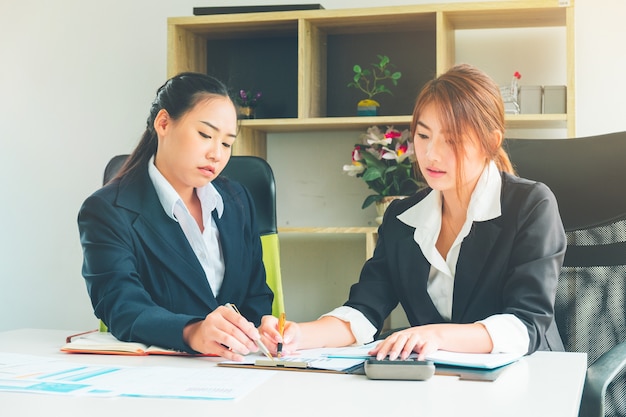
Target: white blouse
[
  {"x": 205, "y": 244},
  {"x": 507, "y": 332}
]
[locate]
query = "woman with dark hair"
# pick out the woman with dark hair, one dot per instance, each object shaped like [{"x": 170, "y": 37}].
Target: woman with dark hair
[
  {"x": 168, "y": 242},
  {"x": 473, "y": 259}
]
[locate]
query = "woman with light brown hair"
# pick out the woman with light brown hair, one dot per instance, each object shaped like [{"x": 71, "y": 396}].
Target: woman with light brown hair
[{"x": 473, "y": 259}]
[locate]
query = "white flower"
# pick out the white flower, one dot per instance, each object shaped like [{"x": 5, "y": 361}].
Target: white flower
[{"x": 353, "y": 170}]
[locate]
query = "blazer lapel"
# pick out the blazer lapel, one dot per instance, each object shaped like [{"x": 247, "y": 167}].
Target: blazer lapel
[
  {"x": 228, "y": 226},
  {"x": 474, "y": 253},
  {"x": 163, "y": 236},
  {"x": 413, "y": 275}
]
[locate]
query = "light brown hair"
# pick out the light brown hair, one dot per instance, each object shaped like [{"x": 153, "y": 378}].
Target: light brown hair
[{"x": 469, "y": 105}]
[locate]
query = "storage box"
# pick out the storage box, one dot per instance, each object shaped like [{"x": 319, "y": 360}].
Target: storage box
[
  {"x": 530, "y": 99},
  {"x": 510, "y": 96},
  {"x": 554, "y": 99}
]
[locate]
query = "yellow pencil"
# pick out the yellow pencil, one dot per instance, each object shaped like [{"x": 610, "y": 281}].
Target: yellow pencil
[{"x": 281, "y": 329}]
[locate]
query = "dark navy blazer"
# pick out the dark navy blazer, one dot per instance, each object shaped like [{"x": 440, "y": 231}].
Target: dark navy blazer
[
  {"x": 509, "y": 264},
  {"x": 145, "y": 281}
]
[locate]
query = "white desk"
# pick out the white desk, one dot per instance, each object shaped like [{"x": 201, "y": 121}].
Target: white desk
[{"x": 543, "y": 384}]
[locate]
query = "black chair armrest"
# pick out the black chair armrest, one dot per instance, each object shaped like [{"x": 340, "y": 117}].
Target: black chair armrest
[{"x": 599, "y": 375}]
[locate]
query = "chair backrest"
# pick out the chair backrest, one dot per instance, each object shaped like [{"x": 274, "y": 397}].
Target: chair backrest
[
  {"x": 585, "y": 175},
  {"x": 256, "y": 175},
  {"x": 113, "y": 167}
]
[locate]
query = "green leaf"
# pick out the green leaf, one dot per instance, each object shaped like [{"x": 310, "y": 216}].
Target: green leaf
[
  {"x": 372, "y": 174},
  {"x": 371, "y": 199}
]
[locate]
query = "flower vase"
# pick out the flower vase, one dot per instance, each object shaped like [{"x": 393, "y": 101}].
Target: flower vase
[
  {"x": 245, "y": 112},
  {"x": 382, "y": 205},
  {"x": 367, "y": 107}
]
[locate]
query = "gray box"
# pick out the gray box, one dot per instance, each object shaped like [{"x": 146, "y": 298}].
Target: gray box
[
  {"x": 554, "y": 99},
  {"x": 530, "y": 99}
]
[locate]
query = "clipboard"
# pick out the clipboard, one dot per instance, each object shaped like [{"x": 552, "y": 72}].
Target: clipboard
[{"x": 356, "y": 366}]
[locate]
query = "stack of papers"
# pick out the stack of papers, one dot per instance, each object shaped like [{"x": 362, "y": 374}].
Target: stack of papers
[
  {"x": 306, "y": 359},
  {"x": 33, "y": 374},
  {"x": 350, "y": 359},
  {"x": 440, "y": 357}
]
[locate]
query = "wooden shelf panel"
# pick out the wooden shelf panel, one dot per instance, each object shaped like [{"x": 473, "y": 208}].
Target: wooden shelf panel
[
  {"x": 326, "y": 123},
  {"x": 233, "y": 25},
  {"x": 536, "y": 121},
  {"x": 519, "y": 18},
  {"x": 370, "y": 234},
  {"x": 516, "y": 121},
  {"x": 329, "y": 230}
]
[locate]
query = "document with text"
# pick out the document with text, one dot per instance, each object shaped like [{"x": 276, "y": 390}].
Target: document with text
[{"x": 33, "y": 374}]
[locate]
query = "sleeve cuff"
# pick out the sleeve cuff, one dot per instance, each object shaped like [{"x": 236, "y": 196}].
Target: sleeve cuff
[
  {"x": 362, "y": 329},
  {"x": 508, "y": 334}
]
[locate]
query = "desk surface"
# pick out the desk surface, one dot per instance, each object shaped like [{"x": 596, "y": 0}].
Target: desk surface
[{"x": 545, "y": 383}]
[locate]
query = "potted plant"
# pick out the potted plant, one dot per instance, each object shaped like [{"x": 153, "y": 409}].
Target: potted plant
[
  {"x": 385, "y": 162},
  {"x": 246, "y": 103},
  {"x": 372, "y": 82}
]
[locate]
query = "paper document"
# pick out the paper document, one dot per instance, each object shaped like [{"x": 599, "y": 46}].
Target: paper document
[
  {"x": 32, "y": 374},
  {"x": 311, "y": 359},
  {"x": 440, "y": 357},
  {"x": 473, "y": 360}
]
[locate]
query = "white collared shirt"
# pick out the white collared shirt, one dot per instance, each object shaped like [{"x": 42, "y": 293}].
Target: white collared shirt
[
  {"x": 507, "y": 332},
  {"x": 206, "y": 244}
]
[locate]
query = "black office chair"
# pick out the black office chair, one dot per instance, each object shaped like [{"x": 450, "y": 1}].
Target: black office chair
[
  {"x": 113, "y": 167},
  {"x": 587, "y": 176},
  {"x": 257, "y": 176}
]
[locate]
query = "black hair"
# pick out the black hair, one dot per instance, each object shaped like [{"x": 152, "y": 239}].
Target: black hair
[{"x": 177, "y": 96}]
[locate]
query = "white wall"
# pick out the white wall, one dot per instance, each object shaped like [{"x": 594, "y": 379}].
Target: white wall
[{"x": 76, "y": 80}]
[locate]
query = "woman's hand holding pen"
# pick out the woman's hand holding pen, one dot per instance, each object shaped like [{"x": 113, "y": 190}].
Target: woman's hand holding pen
[
  {"x": 223, "y": 332},
  {"x": 271, "y": 335}
]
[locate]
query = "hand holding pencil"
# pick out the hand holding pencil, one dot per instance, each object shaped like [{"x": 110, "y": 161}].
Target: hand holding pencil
[{"x": 280, "y": 336}]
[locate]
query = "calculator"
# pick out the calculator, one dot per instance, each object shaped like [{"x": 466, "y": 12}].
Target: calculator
[{"x": 409, "y": 369}]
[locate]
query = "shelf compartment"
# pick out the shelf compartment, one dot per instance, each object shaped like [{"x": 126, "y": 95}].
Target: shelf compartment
[
  {"x": 256, "y": 55},
  {"x": 408, "y": 39}
]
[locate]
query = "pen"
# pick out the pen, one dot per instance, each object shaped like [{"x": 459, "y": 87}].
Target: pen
[
  {"x": 258, "y": 342},
  {"x": 281, "y": 330}
]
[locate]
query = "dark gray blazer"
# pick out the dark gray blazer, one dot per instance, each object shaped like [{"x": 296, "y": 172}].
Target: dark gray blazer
[
  {"x": 509, "y": 264},
  {"x": 144, "y": 280}
]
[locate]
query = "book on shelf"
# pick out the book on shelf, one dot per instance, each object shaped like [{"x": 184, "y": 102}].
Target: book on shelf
[{"x": 104, "y": 343}]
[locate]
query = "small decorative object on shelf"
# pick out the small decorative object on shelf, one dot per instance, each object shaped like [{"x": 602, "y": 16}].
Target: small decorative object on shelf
[
  {"x": 382, "y": 205},
  {"x": 246, "y": 103},
  {"x": 510, "y": 95},
  {"x": 385, "y": 162},
  {"x": 370, "y": 82}
]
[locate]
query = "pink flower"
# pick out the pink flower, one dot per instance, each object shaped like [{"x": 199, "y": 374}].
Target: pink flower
[
  {"x": 391, "y": 134},
  {"x": 384, "y": 160}
]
